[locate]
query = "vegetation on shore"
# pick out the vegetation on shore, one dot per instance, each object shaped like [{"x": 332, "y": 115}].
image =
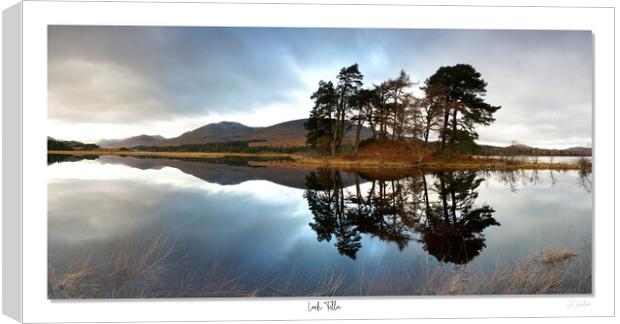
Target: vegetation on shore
[
  {"x": 473, "y": 164},
  {"x": 377, "y": 155},
  {"x": 54, "y": 144},
  {"x": 452, "y": 105}
]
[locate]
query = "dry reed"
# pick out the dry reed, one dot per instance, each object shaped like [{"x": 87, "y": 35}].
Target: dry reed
[{"x": 146, "y": 270}]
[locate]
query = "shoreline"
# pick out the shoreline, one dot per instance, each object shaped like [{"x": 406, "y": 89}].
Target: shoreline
[
  {"x": 430, "y": 165},
  {"x": 166, "y": 154},
  {"x": 303, "y": 161}
]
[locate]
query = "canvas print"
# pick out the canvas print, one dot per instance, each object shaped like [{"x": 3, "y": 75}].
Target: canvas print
[{"x": 300, "y": 162}]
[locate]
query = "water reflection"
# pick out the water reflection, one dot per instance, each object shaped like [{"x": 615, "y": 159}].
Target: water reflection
[
  {"x": 453, "y": 227},
  {"x": 585, "y": 179},
  {"x": 514, "y": 179},
  {"x": 290, "y": 231},
  {"x": 447, "y": 221},
  {"x": 58, "y": 158}
]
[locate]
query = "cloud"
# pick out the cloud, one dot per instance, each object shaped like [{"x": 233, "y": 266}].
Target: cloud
[
  {"x": 542, "y": 80},
  {"x": 121, "y": 73}
]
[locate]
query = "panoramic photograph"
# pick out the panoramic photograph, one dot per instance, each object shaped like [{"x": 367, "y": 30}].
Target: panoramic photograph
[{"x": 198, "y": 162}]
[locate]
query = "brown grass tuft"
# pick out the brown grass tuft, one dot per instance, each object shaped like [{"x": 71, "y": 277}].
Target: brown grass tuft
[
  {"x": 142, "y": 271},
  {"x": 557, "y": 256}
]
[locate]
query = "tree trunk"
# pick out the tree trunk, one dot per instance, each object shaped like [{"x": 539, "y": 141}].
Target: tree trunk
[
  {"x": 426, "y": 201},
  {"x": 382, "y": 129},
  {"x": 357, "y": 137},
  {"x": 336, "y": 124},
  {"x": 444, "y": 133},
  {"x": 342, "y": 125},
  {"x": 394, "y": 123},
  {"x": 334, "y": 139},
  {"x": 358, "y": 190},
  {"x": 372, "y": 125},
  {"x": 444, "y": 198},
  {"x": 453, "y": 198},
  {"x": 371, "y": 192},
  {"x": 454, "y": 123},
  {"x": 340, "y": 121}
]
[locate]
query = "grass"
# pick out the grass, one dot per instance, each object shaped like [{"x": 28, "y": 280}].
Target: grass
[
  {"x": 346, "y": 161},
  {"x": 377, "y": 154},
  {"x": 550, "y": 272},
  {"x": 557, "y": 256},
  {"x": 152, "y": 270},
  {"x": 466, "y": 164},
  {"x": 131, "y": 272},
  {"x": 584, "y": 164},
  {"x": 142, "y": 270}
]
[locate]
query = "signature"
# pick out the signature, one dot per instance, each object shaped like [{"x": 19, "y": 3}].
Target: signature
[
  {"x": 577, "y": 304},
  {"x": 326, "y": 306}
]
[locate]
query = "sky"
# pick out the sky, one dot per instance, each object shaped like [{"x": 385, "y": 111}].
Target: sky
[{"x": 116, "y": 82}]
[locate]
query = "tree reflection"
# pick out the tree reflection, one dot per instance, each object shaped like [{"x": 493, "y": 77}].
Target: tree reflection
[
  {"x": 585, "y": 180},
  {"x": 585, "y": 174},
  {"x": 453, "y": 228},
  {"x": 58, "y": 158},
  {"x": 326, "y": 200},
  {"x": 442, "y": 216}
]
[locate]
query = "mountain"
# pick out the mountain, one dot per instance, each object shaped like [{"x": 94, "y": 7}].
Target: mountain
[
  {"x": 289, "y": 132},
  {"x": 212, "y": 133},
  {"x": 131, "y": 141},
  {"x": 292, "y": 133},
  {"x": 580, "y": 150},
  {"x": 286, "y": 134},
  {"x": 520, "y": 149}
]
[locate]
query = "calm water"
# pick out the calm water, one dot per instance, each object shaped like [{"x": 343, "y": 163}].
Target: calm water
[
  {"x": 543, "y": 159},
  {"x": 155, "y": 227}
]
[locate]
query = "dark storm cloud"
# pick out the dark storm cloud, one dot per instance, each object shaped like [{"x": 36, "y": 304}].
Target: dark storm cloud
[
  {"x": 120, "y": 75},
  {"x": 116, "y": 74}
]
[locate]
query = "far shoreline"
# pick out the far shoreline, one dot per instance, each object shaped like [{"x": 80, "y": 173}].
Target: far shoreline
[{"x": 298, "y": 160}]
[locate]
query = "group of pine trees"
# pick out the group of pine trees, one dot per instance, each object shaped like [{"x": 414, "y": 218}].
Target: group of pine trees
[{"x": 451, "y": 107}]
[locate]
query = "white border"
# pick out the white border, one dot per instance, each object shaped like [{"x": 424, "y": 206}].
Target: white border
[{"x": 37, "y": 15}]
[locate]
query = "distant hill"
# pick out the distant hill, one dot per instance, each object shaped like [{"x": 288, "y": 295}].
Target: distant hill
[
  {"x": 60, "y": 145},
  {"x": 579, "y": 150},
  {"x": 131, "y": 141},
  {"x": 290, "y": 133},
  {"x": 520, "y": 149},
  {"x": 212, "y": 133},
  {"x": 293, "y": 133},
  {"x": 286, "y": 134}
]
